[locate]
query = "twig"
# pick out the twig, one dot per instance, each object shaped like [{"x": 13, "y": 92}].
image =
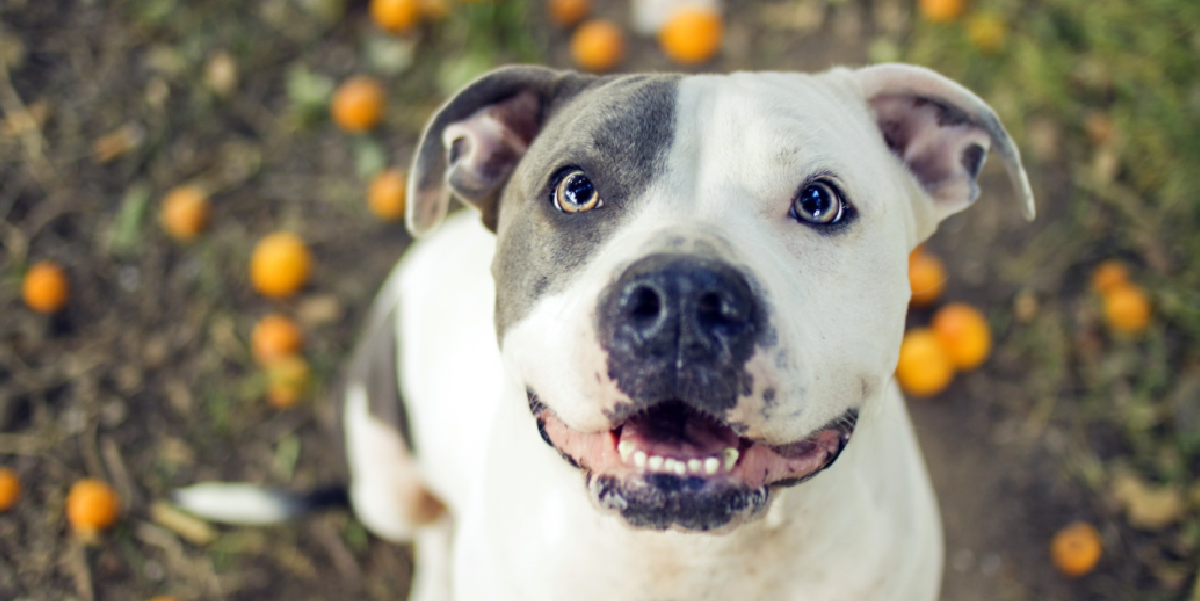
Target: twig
[
  {"x": 88, "y": 447},
  {"x": 77, "y": 562},
  {"x": 31, "y": 135},
  {"x": 343, "y": 560},
  {"x": 116, "y": 470}
]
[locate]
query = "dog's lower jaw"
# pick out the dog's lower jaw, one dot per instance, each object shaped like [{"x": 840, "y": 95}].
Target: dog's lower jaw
[{"x": 668, "y": 502}]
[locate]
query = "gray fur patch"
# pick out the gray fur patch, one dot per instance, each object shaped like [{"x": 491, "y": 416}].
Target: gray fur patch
[
  {"x": 618, "y": 131},
  {"x": 374, "y": 366}
]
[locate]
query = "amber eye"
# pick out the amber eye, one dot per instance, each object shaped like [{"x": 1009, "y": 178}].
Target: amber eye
[
  {"x": 818, "y": 203},
  {"x": 576, "y": 194}
]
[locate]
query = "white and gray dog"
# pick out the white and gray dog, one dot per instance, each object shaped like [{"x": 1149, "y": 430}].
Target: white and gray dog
[{"x": 656, "y": 364}]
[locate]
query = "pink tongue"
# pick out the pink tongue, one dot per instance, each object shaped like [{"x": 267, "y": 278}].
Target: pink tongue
[{"x": 672, "y": 430}]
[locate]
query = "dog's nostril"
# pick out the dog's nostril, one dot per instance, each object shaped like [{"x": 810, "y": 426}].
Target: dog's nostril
[{"x": 645, "y": 304}]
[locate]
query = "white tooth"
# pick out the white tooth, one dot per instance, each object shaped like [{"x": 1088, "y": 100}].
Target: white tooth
[
  {"x": 730, "y": 455},
  {"x": 694, "y": 465},
  {"x": 712, "y": 464},
  {"x": 656, "y": 462},
  {"x": 626, "y": 449},
  {"x": 669, "y": 465},
  {"x": 639, "y": 459},
  {"x": 680, "y": 468}
]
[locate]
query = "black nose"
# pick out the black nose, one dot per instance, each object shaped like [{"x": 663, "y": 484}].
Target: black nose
[{"x": 679, "y": 326}]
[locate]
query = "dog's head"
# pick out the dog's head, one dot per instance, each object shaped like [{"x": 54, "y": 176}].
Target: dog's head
[{"x": 701, "y": 281}]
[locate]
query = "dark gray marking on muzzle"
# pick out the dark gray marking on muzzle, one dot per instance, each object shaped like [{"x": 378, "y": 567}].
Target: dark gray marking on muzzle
[
  {"x": 681, "y": 327},
  {"x": 662, "y": 501}
]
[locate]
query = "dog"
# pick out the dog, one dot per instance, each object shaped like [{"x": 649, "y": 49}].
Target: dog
[{"x": 655, "y": 362}]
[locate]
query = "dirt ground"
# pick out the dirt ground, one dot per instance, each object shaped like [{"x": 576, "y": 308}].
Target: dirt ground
[{"x": 146, "y": 380}]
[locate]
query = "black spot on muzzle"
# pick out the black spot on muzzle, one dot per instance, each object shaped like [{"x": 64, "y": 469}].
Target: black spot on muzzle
[
  {"x": 680, "y": 327},
  {"x": 663, "y": 501}
]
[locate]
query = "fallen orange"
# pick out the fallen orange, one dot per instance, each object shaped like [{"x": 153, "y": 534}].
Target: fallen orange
[
  {"x": 926, "y": 278},
  {"x": 280, "y": 265},
  {"x": 691, "y": 35},
  {"x": 45, "y": 288},
  {"x": 275, "y": 337},
  {"x": 92, "y": 506},
  {"x": 185, "y": 212},
  {"x": 385, "y": 196},
  {"x": 963, "y": 333},
  {"x": 10, "y": 488},
  {"x": 923, "y": 368},
  {"x": 1076, "y": 549},
  {"x": 358, "y": 104},
  {"x": 598, "y": 45}
]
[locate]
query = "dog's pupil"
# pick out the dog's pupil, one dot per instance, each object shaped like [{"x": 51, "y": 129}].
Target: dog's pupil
[
  {"x": 579, "y": 190},
  {"x": 816, "y": 201}
]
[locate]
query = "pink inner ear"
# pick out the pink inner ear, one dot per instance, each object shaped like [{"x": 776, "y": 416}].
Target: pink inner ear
[
  {"x": 940, "y": 144},
  {"x": 484, "y": 148}
]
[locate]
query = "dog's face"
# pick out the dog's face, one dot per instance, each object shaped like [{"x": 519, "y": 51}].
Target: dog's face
[{"x": 701, "y": 281}]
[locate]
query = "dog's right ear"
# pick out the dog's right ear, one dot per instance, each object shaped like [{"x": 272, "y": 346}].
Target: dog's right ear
[{"x": 474, "y": 141}]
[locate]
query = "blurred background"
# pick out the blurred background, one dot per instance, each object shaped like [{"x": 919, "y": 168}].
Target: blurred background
[{"x": 156, "y": 331}]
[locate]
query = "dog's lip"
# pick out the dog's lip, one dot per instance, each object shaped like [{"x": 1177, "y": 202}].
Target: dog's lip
[{"x": 744, "y": 461}]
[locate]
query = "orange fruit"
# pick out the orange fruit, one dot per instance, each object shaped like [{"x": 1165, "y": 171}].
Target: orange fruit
[
  {"x": 385, "y": 196},
  {"x": 963, "y": 333},
  {"x": 987, "y": 32},
  {"x": 358, "y": 104},
  {"x": 45, "y": 288},
  {"x": 926, "y": 278},
  {"x": 1126, "y": 308},
  {"x": 1109, "y": 275},
  {"x": 287, "y": 381},
  {"x": 691, "y": 35},
  {"x": 941, "y": 11},
  {"x": 275, "y": 337},
  {"x": 92, "y": 506},
  {"x": 10, "y": 488},
  {"x": 280, "y": 265},
  {"x": 598, "y": 45},
  {"x": 396, "y": 16},
  {"x": 566, "y": 13},
  {"x": 1076, "y": 548},
  {"x": 924, "y": 369},
  {"x": 184, "y": 212}
]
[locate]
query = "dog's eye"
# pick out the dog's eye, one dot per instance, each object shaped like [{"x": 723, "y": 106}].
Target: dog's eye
[
  {"x": 818, "y": 203},
  {"x": 576, "y": 194}
]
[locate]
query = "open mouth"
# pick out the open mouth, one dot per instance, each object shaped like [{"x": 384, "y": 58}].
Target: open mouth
[{"x": 673, "y": 466}]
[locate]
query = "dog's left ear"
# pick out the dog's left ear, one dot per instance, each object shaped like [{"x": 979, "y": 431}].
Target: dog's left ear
[
  {"x": 942, "y": 132},
  {"x": 474, "y": 141}
]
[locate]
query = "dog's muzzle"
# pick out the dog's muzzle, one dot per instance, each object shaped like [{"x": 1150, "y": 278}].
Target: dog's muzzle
[{"x": 678, "y": 331}]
